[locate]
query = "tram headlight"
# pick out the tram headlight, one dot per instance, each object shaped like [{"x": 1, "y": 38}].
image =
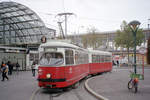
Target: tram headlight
[
  {"x": 48, "y": 75},
  {"x": 40, "y": 70}
]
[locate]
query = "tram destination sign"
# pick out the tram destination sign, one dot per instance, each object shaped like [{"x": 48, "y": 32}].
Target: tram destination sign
[{"x": 50, "y": 49}]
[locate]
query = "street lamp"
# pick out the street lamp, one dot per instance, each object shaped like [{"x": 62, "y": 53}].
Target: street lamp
[{"x": 134, "y": 25}]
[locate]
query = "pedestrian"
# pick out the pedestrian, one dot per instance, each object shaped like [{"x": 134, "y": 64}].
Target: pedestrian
[
  {"x": 117, "y": 63},
  {"x": 33, "y": 68},
  {"x": 1, "y": 68},
  {"x": 17, "y": 67},
  {"x": 113, "y": 62},
  {"x": 4, "y": 72},
  {"x": 10, "y": 67}
]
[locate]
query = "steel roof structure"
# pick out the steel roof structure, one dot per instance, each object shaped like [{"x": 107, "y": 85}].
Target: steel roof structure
[{"x": 19, "y": 24}]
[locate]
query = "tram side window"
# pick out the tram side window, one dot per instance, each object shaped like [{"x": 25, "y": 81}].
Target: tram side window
[
  {"x": 109, "y": 58},
  {"x": 76, "y": 57},
  {"x": 103, "y": 58},
  {"x": 69, "y": 57},
  {"x": 96, "y": 58},
  {"x": 84, "y": 58},
  {"x": 81, "y": 58},
  {"x": 106, "y": 58},
  {"x": 100, "y": 58},
  {"x": 93, "y": 58}
]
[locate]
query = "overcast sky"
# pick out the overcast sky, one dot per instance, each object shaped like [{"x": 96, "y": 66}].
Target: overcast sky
[{"x": 105, "y": 15}]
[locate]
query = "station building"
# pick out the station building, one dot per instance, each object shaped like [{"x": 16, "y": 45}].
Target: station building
[
  {"x": 21, "y": 30},
  {"x": 108, "y": 44}
]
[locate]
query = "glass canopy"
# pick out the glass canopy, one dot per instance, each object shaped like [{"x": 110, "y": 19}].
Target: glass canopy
[{"x": 20, "y": 25}]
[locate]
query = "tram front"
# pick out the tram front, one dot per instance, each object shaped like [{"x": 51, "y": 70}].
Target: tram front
[{"x": 51, "y": 67}]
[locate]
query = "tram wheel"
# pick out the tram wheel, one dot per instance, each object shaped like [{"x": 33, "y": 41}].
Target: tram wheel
[{"x": 76, "y": 85}]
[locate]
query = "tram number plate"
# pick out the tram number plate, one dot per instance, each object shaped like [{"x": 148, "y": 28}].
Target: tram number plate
[{"x": 50, "y": 86}]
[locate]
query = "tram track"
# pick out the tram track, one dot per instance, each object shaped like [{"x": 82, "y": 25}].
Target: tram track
[
  {"x": 34, "y": 93},
  {"x": 79, "y": 93},
  {"x": 40, "y": 94},
  {"x": 50, "y": 97}
]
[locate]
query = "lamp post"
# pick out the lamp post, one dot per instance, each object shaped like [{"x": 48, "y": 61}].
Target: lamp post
[{"x": 134, "y": 25}]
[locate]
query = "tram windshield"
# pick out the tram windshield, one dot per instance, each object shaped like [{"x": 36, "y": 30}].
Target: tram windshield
[{"x": 51, "y": 59}]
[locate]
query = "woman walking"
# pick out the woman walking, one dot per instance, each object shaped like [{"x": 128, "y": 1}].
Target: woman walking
[{"x": 4, "y": 72}]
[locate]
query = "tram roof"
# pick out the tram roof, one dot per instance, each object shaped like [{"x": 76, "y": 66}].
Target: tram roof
[
  {"x": 60, "y": 44},
  {"x": 100, "y": 52}
]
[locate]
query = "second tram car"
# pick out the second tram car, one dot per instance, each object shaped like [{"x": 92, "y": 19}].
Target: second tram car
[{"x": 99, "y": 61}]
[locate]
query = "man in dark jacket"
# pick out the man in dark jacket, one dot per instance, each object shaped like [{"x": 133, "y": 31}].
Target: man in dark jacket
[
  {"x": 10, "y": 67},
  {"x": 17, "y": 67}
]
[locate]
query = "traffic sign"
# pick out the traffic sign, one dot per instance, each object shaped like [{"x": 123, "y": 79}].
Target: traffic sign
[{"x": 142, "y": 50}]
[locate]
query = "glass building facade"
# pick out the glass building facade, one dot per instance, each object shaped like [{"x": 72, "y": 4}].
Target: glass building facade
[
  {"x": 20, "y": 25},
  {"x": 21, "y": 30}
]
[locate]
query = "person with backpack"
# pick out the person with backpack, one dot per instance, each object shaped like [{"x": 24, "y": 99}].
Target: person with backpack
[{"x": 4, "y": 72}]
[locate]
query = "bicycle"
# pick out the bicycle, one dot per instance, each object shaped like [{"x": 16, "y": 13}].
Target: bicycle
[{"x": 133, "y": 83}]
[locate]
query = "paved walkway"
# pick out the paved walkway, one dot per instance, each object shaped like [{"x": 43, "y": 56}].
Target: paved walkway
[
  {"x": 113, "y": 86},
  {"x": 19, "y": 86}
]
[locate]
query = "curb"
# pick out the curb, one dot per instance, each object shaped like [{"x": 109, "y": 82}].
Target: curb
[{"x": 100, "y": 97}]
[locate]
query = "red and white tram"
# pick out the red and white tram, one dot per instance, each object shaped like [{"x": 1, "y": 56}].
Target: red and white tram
[
  {"x": 99, "y": 61},
  {"x": 62, "y": 64}
]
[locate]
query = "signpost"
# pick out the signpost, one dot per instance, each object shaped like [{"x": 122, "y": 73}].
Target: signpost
[{"x": 142, "y": 50}]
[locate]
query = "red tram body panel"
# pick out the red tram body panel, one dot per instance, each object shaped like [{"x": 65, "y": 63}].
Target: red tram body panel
[
  {"x": 62, "y": 76},
  {"x": 76, "y": 73},
  {"x": 57, "y": 76}
]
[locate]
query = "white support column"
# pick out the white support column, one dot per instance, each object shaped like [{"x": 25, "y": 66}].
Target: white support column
[{"x": 27, "y": 61}]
